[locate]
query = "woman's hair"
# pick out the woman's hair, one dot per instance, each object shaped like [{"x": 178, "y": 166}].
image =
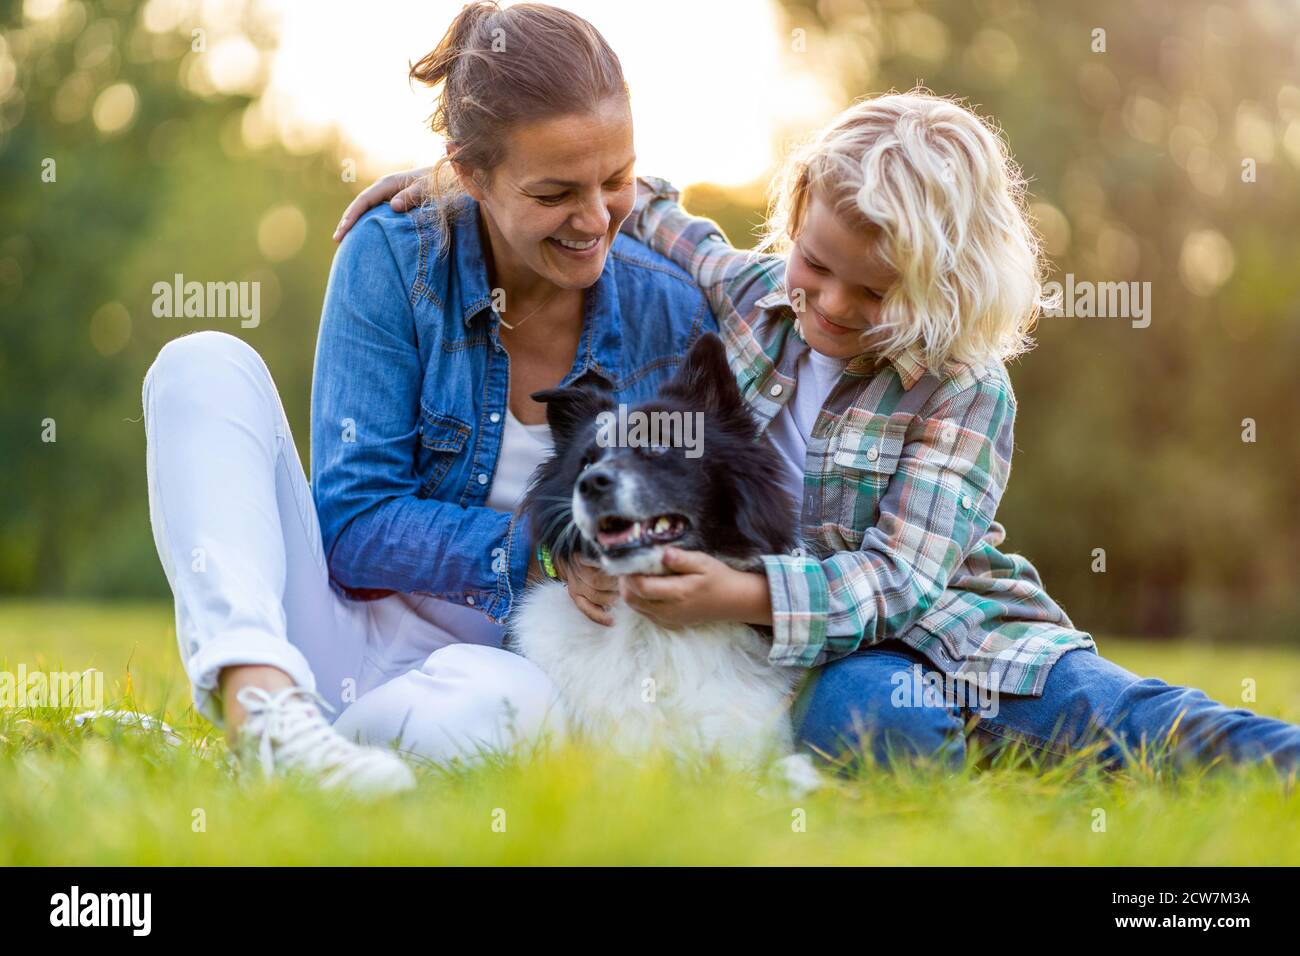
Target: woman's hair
[
  {"x": 498, "y": 68},
  {"x": 939, "y": 185}
]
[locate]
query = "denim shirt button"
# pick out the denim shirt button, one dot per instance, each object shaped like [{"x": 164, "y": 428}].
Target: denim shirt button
[
  {"x": 482, "y": 477},
  {"x": 494, "y": 417}
]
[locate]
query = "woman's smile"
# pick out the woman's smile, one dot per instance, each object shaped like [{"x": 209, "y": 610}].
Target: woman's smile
[{"x": 577, "y": 248}]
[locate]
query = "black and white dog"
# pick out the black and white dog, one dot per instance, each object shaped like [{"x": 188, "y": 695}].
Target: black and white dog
[{"x": 637, "y": 685}]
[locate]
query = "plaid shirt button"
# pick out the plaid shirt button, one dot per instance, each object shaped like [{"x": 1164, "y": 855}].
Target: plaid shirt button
[
  {"x": 775, "y": 390},
  {"x": 873, "y": 453},
  {"x": 966, "y": 502}
]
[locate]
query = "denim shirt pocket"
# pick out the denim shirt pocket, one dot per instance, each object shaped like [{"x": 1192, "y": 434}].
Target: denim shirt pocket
[{"x": 442, "y": 439}]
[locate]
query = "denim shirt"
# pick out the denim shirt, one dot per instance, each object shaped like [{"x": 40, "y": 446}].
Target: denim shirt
[{"x": 409, "y": 400}]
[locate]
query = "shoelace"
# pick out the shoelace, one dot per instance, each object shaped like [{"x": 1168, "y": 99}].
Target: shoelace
[{"x": 290, "y": 718}]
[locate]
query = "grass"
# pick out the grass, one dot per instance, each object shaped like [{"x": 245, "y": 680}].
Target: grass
[{"x": 106, "y": 795}]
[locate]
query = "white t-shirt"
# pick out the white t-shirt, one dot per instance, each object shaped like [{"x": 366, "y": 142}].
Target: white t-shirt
[
  {"x": 407, "y": 628},
  {"x": 523, "y": 447},
  {"x": 815, "y": 376}
]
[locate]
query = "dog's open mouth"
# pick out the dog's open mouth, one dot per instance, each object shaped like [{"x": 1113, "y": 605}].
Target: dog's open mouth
[{"x": 618, "y": 535}]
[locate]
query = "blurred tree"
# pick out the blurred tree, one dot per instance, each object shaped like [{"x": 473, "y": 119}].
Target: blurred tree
[
  {"x": 1163, "y": 145},
  {"x": 123, "y": 164},
  {"x": 1164, "y": 150}
]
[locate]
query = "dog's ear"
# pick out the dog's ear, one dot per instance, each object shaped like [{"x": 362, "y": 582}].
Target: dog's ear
[
  {"x": 568, "y": 409},
  {"x": 764, "y": 515},
  {"x": 705, "y": 378}
]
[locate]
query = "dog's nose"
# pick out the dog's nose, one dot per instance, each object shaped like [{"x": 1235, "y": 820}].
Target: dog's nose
[{"x": 595, "y": 481}]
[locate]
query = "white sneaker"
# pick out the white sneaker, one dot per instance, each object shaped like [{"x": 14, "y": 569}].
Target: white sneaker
[{"x": 285, "y": 733}]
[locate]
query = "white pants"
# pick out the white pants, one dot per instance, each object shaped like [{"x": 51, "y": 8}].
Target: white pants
[{"x": 236, "y": 529}]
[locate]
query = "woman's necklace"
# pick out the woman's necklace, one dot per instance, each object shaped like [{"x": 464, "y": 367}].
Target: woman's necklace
[{"x": 544, "y": 304}]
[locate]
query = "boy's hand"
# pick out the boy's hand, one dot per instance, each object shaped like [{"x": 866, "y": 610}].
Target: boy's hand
[
  {"x": 405, "y": 191},
  {"x": 697, "y": 590}
]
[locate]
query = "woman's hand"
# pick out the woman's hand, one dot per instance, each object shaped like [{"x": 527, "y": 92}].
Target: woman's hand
[
  {"x": 697, "y": 590},
  {"x": 403, "y": 190},
  {"x": 592, "y": 590}
]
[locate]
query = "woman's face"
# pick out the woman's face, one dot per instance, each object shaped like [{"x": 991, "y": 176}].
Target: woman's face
[
  {"x": 554, "y": 204},
  {"x": 843, "y": 279}
]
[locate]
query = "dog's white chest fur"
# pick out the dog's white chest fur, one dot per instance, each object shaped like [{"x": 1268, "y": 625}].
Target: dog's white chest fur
[{"x": 637, "y": 686}]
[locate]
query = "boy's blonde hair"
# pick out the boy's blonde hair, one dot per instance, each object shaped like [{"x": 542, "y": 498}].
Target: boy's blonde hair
[{"x": 938, "y": 183}]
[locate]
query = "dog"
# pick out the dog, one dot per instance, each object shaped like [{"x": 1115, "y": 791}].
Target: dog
[{"x": 637, "y": 685}]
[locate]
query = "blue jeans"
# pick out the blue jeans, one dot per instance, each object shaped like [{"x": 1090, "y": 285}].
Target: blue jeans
[{"x": 867, "y": 703}]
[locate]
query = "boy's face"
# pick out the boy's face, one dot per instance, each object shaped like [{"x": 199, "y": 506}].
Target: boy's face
[{"x": 843, "y": 279}]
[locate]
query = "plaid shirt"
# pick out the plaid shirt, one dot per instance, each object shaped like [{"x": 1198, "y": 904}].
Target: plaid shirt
[{"x": 904, "y": 473}]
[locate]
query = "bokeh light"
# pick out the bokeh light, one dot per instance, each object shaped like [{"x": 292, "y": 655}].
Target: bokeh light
[
  {"x": 115, "y": 108},
  {"x": 110, "y": 329},
  {"x": 281, "y": 232}
]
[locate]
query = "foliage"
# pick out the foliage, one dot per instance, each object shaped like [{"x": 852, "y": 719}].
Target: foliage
[{"x": 1128, "y": 439}]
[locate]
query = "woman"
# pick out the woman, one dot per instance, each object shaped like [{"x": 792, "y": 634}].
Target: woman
[{"x": 436, "y": 329}]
